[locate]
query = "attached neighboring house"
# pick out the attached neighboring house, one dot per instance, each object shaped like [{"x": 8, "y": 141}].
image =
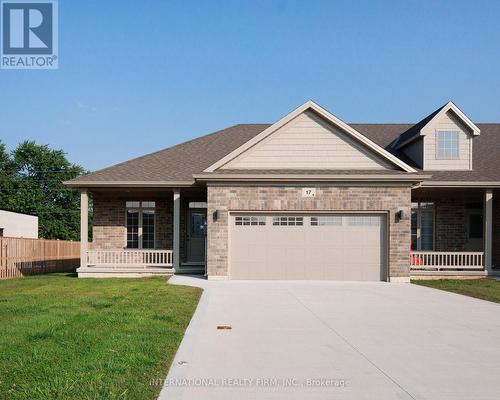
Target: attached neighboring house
[
  {"x": 14, "y": 224},
  {"x": 308, "y": 197}
]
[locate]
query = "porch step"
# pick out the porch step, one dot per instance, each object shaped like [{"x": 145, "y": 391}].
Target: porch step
[
  {"x": 191, "y": 268},
  {"x": 448, "y": 274},
  {"x": 127, "y": 272}
]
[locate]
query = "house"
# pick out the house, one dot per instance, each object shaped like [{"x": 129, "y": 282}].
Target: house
[
  {"x": 14, "y": 224},
  {"x": 308, "y": 197}
]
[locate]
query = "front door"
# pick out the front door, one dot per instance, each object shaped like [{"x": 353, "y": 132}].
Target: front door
[
  {"x": 197, "y": 227},
  {"x": 475, "y": 237}
]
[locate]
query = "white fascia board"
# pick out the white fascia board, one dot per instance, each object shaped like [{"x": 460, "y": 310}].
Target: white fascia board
[
  {"x": 329, "y": 117},
  {"x": 449, "y": 106}
]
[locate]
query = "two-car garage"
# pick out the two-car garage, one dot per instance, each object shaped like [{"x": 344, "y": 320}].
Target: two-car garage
[{"x": 308, "y": 246}]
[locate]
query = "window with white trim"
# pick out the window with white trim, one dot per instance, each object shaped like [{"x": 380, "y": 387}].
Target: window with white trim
[
  {"x": 198, "y": 204},
  {"x": 422, "y": 226},
  {"x": 363, "y": 220},
  {"x": 140, "y": 221},
  {"x": 326, "y": 220},
  {"x": 288, "y": 221},
  {"x": 447, "y": 143},
  {"x": 250, "y": 220}
]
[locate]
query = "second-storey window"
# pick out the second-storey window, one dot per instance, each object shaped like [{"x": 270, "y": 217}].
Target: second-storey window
[
  {"x": 447, "y": 144},
  {"x": 140, "y": 224}
]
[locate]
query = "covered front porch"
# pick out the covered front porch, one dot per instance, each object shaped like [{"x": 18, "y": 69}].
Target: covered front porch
[
  {"x": 143, "y": 231},
  {"x": 455, "y": 232}
]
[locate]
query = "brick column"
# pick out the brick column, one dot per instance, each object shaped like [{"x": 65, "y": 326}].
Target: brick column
[
  {"x": 488, "y": 230},
  {"x": 84, "y": 226},
  {"x": 177, "y": 228}
]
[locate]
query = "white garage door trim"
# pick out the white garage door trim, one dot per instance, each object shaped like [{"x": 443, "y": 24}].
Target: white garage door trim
[{"x": 384, "y": 224}]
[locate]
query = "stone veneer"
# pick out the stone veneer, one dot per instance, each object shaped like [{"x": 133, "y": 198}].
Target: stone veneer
[{"x": 328, "y": 198}]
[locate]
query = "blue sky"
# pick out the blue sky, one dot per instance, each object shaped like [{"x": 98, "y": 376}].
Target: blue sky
[{"x": 138, "y": 76}]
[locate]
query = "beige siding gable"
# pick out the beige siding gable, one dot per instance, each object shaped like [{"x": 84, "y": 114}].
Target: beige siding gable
[
  {"x": 448, "y": 122},
  {"x": 308, "y": 142}
]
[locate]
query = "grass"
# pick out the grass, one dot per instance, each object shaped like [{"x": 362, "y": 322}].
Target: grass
[
  {"x": 68, "y": 338},
  {"x": 485, "y": 289}
]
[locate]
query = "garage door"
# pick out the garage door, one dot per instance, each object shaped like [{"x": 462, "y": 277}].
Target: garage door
[{"x": 293, "y": 246}]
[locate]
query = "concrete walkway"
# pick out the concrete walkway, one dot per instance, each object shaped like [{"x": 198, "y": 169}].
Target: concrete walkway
[{"x": 336, "y": 340}]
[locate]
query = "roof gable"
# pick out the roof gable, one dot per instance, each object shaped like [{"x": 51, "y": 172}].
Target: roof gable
[
  {"x": 176, "y": 165},
  {"x": 427, "y": 124},
  {"x": 341, "y": 146},
  {"x": 308, "y": 142}
]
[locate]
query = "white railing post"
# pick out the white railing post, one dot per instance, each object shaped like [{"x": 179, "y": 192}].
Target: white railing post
[
  {"x": 84, "y": 226},
  {"x": 130, "y": 258},
  {"x": 488, "y": 230},
  {"x": 446, "y": 260},
  {"x": 177, "y": 228}
]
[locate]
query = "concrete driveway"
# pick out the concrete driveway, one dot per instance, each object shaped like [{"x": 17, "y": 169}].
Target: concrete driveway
[{"x": 336, "y": 340}]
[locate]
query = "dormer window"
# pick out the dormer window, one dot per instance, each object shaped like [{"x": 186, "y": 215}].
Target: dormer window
[{"x": 447, "y": 143}]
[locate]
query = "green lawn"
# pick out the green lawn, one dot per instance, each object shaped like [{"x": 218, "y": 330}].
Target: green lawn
[
  {"x": 485, "y": 289},
  {"x": 68, "y": 338}
]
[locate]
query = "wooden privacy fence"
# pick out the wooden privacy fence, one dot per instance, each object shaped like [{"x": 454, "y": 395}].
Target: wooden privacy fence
[{"x": 21, "y": 256}]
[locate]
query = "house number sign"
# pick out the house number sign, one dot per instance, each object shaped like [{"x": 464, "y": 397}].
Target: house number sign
[{"x": 308, "y": 192}]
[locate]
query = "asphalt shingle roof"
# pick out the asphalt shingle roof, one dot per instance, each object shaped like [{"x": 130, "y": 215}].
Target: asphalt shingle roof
[{"x": 180, "y": 162}]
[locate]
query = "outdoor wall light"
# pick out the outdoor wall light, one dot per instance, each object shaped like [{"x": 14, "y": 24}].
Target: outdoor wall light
[
  {"x": 216, "y": 215},
  {"x": 400, "y": 215}
]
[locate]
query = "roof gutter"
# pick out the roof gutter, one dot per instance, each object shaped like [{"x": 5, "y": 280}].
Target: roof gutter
[
  {"x": 460, "y": 184},
  {"x": 128, "y": 184}
]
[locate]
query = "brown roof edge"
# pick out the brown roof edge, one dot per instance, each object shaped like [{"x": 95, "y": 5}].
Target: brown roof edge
[
  {"x": 128, "y": 184},
  {"x": 410, "y": 177},
  {"x": 461, "y": 184}
]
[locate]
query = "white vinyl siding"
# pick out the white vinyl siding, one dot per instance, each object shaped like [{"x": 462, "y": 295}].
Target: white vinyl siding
[
  {"x": 432, "y": 161},
  {"x": 308, "y": 142}
]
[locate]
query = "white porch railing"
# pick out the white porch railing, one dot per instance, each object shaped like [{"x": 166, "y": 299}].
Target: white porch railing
[
  {"x": 446, "y": 260},
  {"x": 123, "y": 258}
]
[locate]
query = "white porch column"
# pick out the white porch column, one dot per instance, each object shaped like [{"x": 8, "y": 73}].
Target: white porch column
[
  {"x": 177, "y": 228},
  {"x": 84, "y": 226},
  {"x": 488, "y": 230}
]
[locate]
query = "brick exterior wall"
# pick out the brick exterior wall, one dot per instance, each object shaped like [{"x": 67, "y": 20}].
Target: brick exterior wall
[
  {"x": 450, "y": 225},
  {"x": 328, "y": 198},
  {"x": 450, "y": 216},
  {"x": 109, "y": 227}
]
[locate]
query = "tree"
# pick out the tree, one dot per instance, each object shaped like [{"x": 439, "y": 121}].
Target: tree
[{"x": 31, "y": 182}]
